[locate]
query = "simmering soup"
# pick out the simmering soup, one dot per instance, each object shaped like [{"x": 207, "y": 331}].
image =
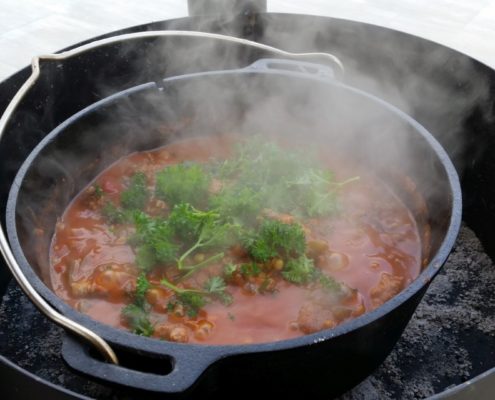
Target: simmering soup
[{"x": 231, "y": 240}]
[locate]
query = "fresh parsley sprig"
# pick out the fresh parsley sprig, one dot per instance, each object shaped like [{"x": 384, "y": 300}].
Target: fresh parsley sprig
[
  {"x": 136, "y": 314},
  {"x": 195, "y": 299}
]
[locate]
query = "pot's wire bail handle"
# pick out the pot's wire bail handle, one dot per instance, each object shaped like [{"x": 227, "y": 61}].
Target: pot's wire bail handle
[
  {"x": 81, "y": 331},
  {"x": 307, "y": 69},
  {"x": 323, "y": 60}
]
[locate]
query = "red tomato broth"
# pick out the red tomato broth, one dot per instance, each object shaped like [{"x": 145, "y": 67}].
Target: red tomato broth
[{"x": 374, "y": 234}]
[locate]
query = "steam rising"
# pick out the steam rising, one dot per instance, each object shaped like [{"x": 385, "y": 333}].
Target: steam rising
[{"x": 439, "y": 90}]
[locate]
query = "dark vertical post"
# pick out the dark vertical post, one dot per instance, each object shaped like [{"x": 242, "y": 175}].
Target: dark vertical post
[{"x": 226, "y": 7}]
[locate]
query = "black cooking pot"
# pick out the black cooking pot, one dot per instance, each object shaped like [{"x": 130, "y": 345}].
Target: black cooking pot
[{"x": 294, "y": 98}]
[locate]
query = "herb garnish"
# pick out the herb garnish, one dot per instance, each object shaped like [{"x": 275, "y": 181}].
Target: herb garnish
[
  {"x": 195, "y": 299},
  {"x": 136, "y": 314},
  {"x": 136, "y": 195},
  {"x": 275, "y": 238},
  {"x": 183, "y": 183},
  {"x": 201, "y": 225}
]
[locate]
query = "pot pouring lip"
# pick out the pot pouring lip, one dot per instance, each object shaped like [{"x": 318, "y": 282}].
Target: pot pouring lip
[{"x": 114, "y": 335}]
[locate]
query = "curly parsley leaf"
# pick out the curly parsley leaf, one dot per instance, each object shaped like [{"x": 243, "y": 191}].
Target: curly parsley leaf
[
  {"x": 229, "y": 270},
  {"x": 283, "y": 180},
  {"x": 275, "y": 238},
  {"x": 115, "y": 215},
  {"x": 299, "y": 270},
  {"x": 302, "y": 270},
  {"x": 194, "y": 299},
  {"x": 154, "y": 241},
  {"x": 138, "y": 320},
  {"x": 329, "y": 283},
  {"x": 250, "y": 269},
  {"x": 136, "y": 314},
  {"x": 192, "y": 302},
  {"x": 183, "y": 183},
  {"x": 145, "y": 257},
  {"x": 217, "y": 288},
  {"x": 142, "y": 286},
  {"x": 187, "y": 221},
  {"x": 207, "y": 230},
  {"x": 136, "y": 195},
  {"x": 239, "y": 203}
]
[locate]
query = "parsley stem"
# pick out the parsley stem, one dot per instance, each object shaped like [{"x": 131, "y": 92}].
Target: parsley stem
[
  {"x": 180, "y": 261},
  {"x": 192, "y": 269},
  {"x": 177, "y": 289},
  {"x": 343, "y": 183}
]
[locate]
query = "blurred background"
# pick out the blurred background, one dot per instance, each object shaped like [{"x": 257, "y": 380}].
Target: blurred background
[{"x": 33, "y": 27}]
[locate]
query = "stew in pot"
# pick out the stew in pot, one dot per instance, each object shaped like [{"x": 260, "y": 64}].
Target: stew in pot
[{"x": 228, "y": 240}]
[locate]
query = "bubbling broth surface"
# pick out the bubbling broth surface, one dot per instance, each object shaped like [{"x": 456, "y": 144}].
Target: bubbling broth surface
[{"x": 224, "y": 240}]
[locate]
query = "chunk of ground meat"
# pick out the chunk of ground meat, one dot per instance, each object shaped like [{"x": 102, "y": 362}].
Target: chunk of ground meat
[
  {"x": 93, "y": 198},
  {"x": 159, "y": 298},
  {"x": 203, "y": 330},
  {"x": 388, "y": 286},
  {"x": 111, "y": 281},
  {"x": 271, "y": 214},
  {"x": 325, "y": 310},
  {"x": 314, "y": 317},
  {"x": 172, "y": 332}
]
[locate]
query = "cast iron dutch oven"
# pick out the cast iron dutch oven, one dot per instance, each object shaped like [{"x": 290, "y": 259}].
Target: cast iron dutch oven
[{"x": 269, "y": 96}]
